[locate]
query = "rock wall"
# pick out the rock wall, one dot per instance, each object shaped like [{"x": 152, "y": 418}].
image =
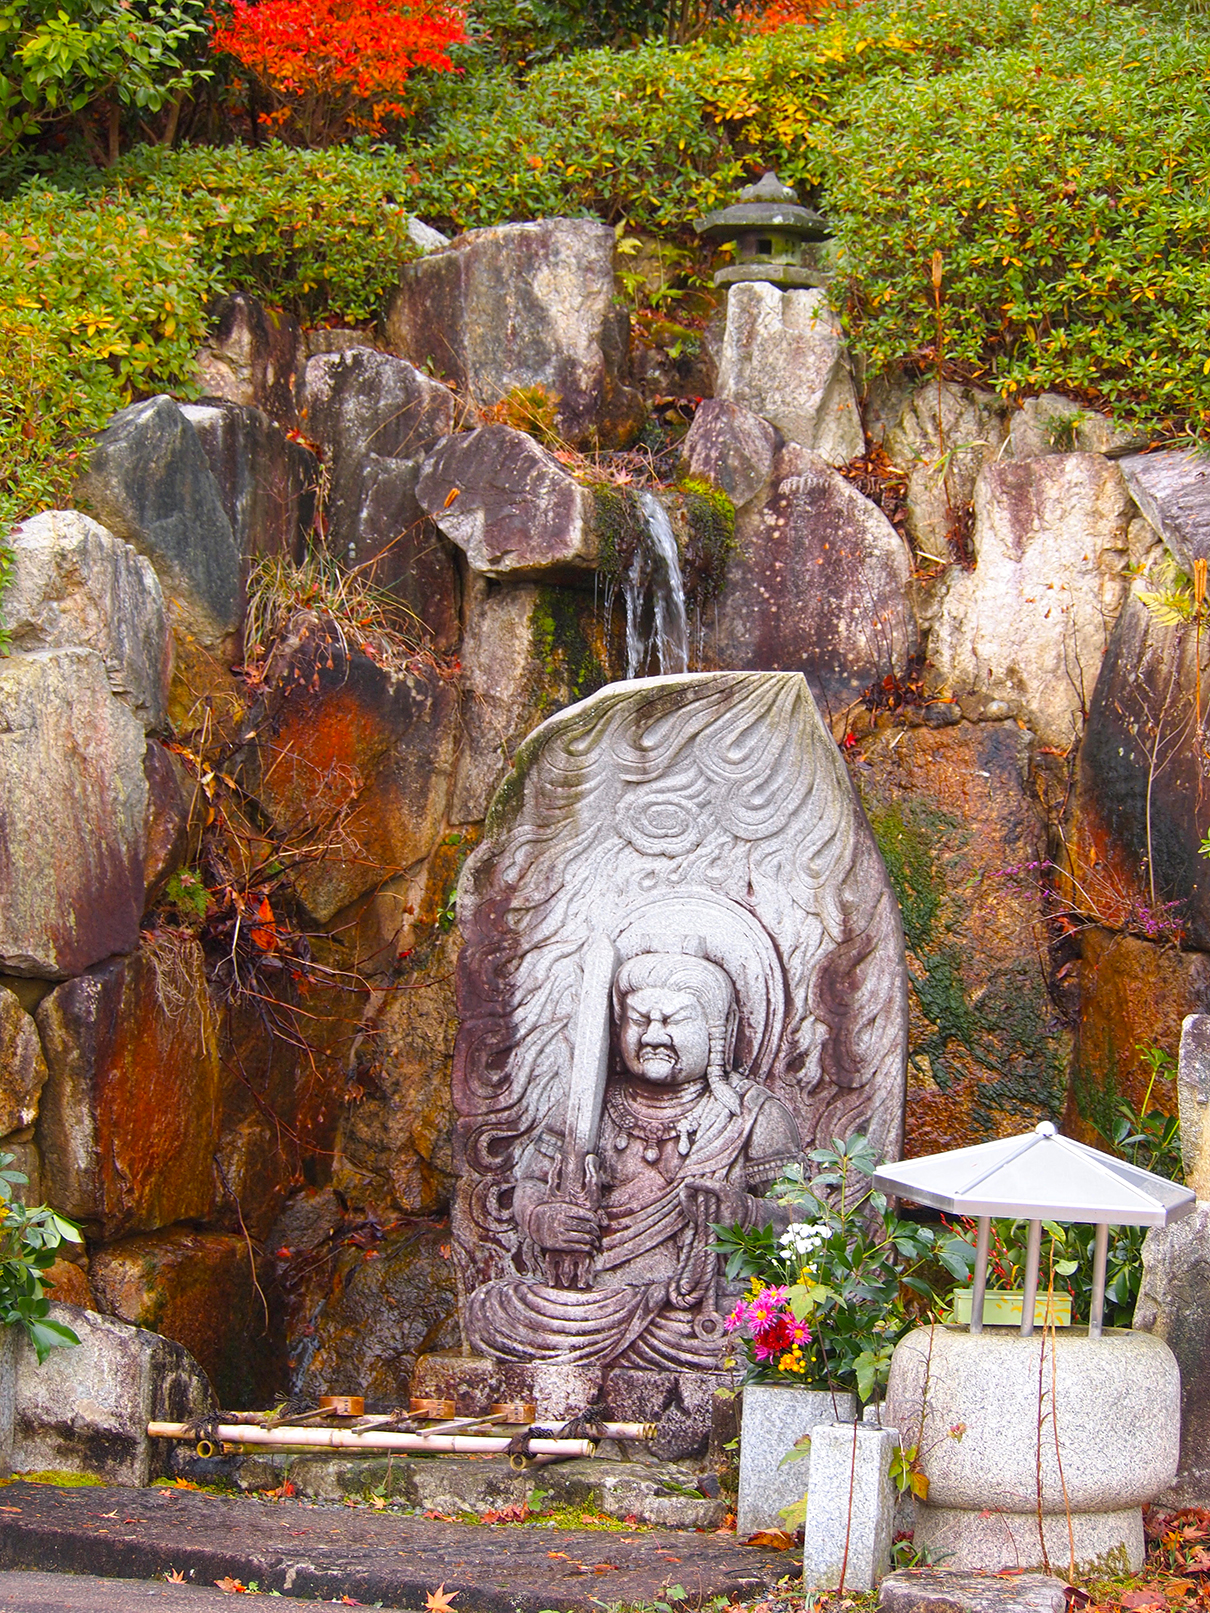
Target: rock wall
[{"x": 265, "y": 681}]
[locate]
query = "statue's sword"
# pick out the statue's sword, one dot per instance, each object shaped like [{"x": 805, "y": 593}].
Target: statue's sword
[{"x": 577, "y": 1174}]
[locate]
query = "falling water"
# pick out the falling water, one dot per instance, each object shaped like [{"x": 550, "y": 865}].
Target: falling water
[{"x": 654, "y": 592}]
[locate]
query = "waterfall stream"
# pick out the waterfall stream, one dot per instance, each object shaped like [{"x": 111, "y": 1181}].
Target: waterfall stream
[{"x": 654, "y": 592}]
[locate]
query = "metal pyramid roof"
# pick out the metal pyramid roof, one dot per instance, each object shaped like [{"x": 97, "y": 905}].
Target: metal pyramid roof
[{"x": 1041, "y": 1175}]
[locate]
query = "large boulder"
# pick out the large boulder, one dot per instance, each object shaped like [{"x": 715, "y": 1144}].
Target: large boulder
[
  {"x": 510, "y": 507},
  {"x": 200, "y": 1289},
  {"x": 267, "y": 482},
  {"x": 1173, "y": 492},
  {"x": 22, "y": 1066},
  {"x": 381, "y": 531},
  {"x": 963, "y": 836},
  {"x": 733, "y": 448},
  {"x": 86, "y": 1409},
  {"x": 1053, "y": 424},
  {"x": 1133, "y": 843},
  {"x": 359, "y": 401},
  {"x": 75, "y": 584},
  {"x": 522, "y": 306},
  {"x": 130, "y": 1115},
  {"x": 149, "y": 482},
  {"x": 942, "y": 437},
  {"x": 817, "y": 584},
  {"x": 73, "y": 800},
  {"x": 354, "y": 756},
  {"x": 253, "y": 356},
  {"x": 1174, "y": 1302},
  {"x": 784, "y": 357},
  {"x": 1029, "y": 625}
]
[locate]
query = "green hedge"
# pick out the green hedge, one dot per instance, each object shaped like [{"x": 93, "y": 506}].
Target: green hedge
[
  {"x": 1066, "y": 184},
  {"x": 1059, "y": 166},
  {"x": 106, "y": 284}
]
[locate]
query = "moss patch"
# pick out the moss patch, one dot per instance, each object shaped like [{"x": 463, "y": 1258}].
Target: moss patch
[
  {"x": 710, "y": 516},
  {"x": 54, "y": 1475},
  {"x": 968, "y": 1020}
]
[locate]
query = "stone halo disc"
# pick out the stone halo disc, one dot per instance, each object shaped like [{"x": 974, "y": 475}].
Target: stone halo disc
[{"x": 705, "y": 924}]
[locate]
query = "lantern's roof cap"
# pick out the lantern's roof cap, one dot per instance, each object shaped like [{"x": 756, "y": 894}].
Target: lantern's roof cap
[
  {"x": 1039, "y": 1175},
  {"x": 767, "y": 205}
]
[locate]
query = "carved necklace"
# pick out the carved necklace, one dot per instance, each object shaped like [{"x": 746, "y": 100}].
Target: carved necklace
[{"x": 653, "y": 1132}]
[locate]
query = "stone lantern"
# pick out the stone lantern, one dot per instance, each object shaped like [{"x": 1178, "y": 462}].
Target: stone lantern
[
  {"x": 769, "y": 229},
  {"x": 1038, "y": 1450}
]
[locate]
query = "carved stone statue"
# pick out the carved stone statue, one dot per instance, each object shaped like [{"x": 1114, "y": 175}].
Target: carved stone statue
[{"x": 683, "y": 963}]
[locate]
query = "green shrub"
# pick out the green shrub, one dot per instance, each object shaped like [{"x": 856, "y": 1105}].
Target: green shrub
[
  {"x": 1063, "y": 181},
  {"x": 107, "y": 284}
]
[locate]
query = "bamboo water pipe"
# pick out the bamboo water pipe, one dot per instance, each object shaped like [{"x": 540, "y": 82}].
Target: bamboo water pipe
[{"x": 347, "y": 1439}]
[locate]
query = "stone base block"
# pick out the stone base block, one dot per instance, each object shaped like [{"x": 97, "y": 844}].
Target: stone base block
[
  {"x": 1104, "y": 1541},
  {"x": 850, "y": 1506},
  {"x": 945, "y": 1590},
  {"x": 775, "y": 1417},
  {"x": 681, "y": 1404}
]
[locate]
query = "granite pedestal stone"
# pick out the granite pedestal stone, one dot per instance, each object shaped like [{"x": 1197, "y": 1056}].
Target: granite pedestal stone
[
  {"x": 775, "y": 1418},
  {"x": 1109, "y": 1415}
]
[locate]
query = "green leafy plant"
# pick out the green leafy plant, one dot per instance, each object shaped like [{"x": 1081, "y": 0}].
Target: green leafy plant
[
  {"x": 29, "y": 1241},
  {"x": 839, "y": 1271},
  {"x": 89, "y": 61}
]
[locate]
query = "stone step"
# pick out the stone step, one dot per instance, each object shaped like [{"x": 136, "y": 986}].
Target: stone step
[{"x": 324, "y": 1552}]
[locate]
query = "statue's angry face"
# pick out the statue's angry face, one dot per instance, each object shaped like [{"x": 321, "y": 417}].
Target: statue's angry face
[{"x": 664, "y": 1035}]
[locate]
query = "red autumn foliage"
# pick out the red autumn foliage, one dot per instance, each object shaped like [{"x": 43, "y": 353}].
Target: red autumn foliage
[
  {"x": 768, "y": 18},
  {"x": 328, "y": 66}
]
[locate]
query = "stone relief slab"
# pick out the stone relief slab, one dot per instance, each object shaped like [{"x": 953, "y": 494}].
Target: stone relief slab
[{"x": 683, "y": 963}]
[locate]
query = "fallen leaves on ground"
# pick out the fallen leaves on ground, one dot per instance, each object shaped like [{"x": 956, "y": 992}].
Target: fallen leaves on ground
[
  {"x": 174, "y": 1576},
  {"x": 439, "y": 1601},
  {"x": 232, "y": 1586},
  {"x": 774, "y": 1539}
]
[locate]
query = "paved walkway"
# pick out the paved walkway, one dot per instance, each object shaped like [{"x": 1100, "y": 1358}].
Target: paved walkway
[
  {"x": 85, "y": 1593},
  {"x": 329, "y": 1552}
]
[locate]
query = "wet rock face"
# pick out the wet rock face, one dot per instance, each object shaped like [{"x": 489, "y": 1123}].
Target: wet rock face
[
  {"x": 817, "y": 584},
  {"x": 527, "y": 651},
  {"x": 382, "y": 531},
  {"x": 1133, "y": 997},
  {"x": 73, "y": 584},
  {"x": 149, "y": 482},
  {"x": 73, "y": 797},
  {"x": 784, "y": 357},
  {"x": 130, "y": 1113},
  {"x": 951, "y": 809},
  {"x": 253, "y": 357},
  {"x": 364, "y": 1314},
  {"x": 22, "y": 1067},
  {"x": 510, "y": 507},
  {"x": 196, "y": 1288},
  {"x": 524, "y": 305},
  {"x": 1140, "y": 811},
  {"x": 1029, "y": 625},
  {"x": 393, "y": 1151},
  {"x": 267, "y": 482},
  {"x": 357, "y": 756}
]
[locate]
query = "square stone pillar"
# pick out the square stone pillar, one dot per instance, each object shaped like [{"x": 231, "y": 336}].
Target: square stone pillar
[{"x": 850, "y": 1506}]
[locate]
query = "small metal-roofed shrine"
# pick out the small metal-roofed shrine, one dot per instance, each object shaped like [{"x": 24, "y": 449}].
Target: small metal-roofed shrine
[
  {"x": 769, "y": 228},
  {"x": 1038, "y": 1175}
]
